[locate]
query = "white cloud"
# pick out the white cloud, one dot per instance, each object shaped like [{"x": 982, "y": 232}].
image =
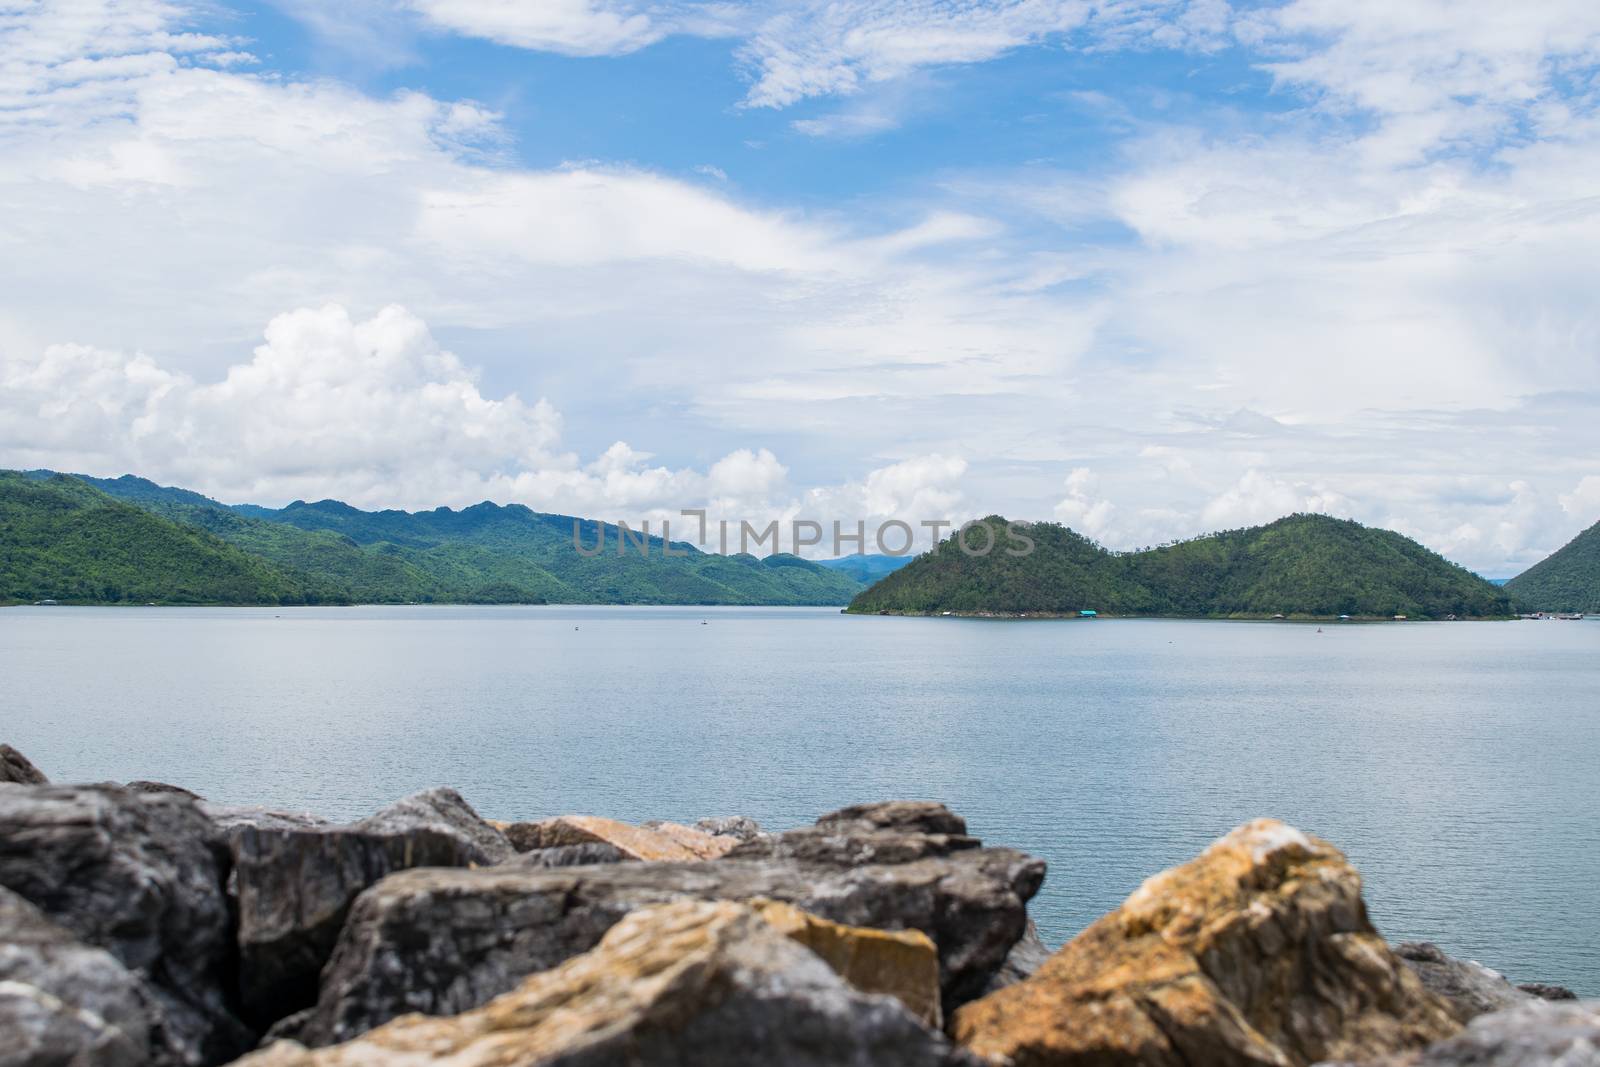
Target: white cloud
[
  {"x": 1259, "y": 498},
  {"x": 1583, "y": 503},
  {"x": 376, "y": 413},
  {"x": 1374, "y": 299},
  {"x": 1435, "y": 72},
  {"x": 571, "y": 27},
  {"x": 1081, "y": 508},
  {"x": 798, "y": 49}
]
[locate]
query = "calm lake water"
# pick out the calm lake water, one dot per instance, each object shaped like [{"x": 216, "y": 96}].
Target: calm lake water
[{"x": 1457, "y": 764}]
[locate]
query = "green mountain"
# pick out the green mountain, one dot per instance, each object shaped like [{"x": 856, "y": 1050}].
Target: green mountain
[
  {"x": 1303, "y": 565},
  {"x": 1567, "y": 581},
  {"x": 63, "y": 540},
  {"x": 482, "y": 554}
]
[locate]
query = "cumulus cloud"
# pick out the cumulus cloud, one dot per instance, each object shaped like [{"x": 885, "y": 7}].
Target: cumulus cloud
[
  {"x": 1583, "y": 503},
  {"x": 375, "y": 412},
  {"x": 1373, "y": 299},
  {"x": 1081, "y": 509},
  {"x": 1258, "y": 498}
]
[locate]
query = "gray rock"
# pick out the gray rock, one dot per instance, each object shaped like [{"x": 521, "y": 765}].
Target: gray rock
[
  {"x": 685, "y": 985},
  {"x": 569, "y": 856},
  {"x": 229, "y": 818},
  {"x": 851, "y": 845},
  {"x": 1025, "y": 957},
  {"x": 295, "y": 877},
  {"x": 1546, "y": 991},
  {"x": 40, "y": 1030},
  {"x": 917, "y": 816},
  {"x": 142, "y": 786},
  {"x": 15, "y": 768},
  {"x": 740, "y": 826},
  {"x": 441, "y": 811},
  {"x": 140, "y": 876},
  {"x": 1470, "y": 988},
  {"x": 1538, "y": 1033},
  {"x": 443, "y": 942},
  {"x": 63, "y": 1002}
]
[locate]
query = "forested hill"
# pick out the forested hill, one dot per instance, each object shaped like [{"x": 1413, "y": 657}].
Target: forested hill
[
  {"x": 1303, "y": 565},
  {"x": 1569, "y": 580},
  {"x": 63, "y": 540},
  {"x": 482, "y": 554}
]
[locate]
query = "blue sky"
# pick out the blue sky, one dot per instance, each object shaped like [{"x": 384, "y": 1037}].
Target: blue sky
[{"x": 1146, "y": 267}]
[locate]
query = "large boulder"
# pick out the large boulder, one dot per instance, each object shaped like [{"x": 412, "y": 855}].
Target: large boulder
[
  {"x": 443, "y": 813},
  {"x": 901, "y": 963},
  {"x": 142, "y": 877},
  {"x": 1470, "y": 988},
  {"x": 16, "y": 769},
  {"x": 443, "y": 942},
  {"x": 64, "y": 1002},
  {"x": 295, "y": 877},
  {"x": 711, "y": 985},
  {"x": 1257, "y": 952},
  {"x": 1535, "y": 1034}
]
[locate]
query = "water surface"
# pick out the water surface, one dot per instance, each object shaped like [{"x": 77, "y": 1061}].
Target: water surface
[{"x": 1457, "y": 764}]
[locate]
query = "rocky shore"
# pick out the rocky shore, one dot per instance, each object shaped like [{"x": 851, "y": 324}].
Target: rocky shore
[{"x": 142, "y": 925}]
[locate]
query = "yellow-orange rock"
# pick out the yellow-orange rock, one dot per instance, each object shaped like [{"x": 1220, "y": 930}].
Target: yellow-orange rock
[
  {"x": 667, "y": 842},
  {"x": 702, "y": 983},
  {"x": 706, "y": 846},
  {"x": 1259, "y": 951},
  {"x": 901, "y": 963}
]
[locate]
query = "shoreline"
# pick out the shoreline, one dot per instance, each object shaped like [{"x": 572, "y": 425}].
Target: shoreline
[{"x": 1050, "y": 616}]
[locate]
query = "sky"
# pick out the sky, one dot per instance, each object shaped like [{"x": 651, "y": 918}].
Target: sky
[{"x": 1149, "y": 268}]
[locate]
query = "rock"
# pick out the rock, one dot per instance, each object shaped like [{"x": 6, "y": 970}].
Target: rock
[
  {"x": 1546, "y": 991},
  {"x": 736, "y": 826},
  {"x": 1470, "y": 988},
  {"x": 852, "y": 844},
  {"x": 296, "y": 876},
  {"x": 703, "y": 845},
  {"x": 711, "y": 985},
  {"x": 1025, "y": 957},
  {"x": 1534, "y": 1034},
  {"x": 15, "y": 767},
  {"x": 917, "y": 816},
  {"x": 442, "y": 942},
  {"x": 1257, "y": 952},
  {"x": 140, "y": 876},
  {"x": 569, "y": 856},
  {"x": 228, "y": 818},
  {"x": 63, "y": 1002},
  {"x": 442, "y": 812},
  {"x": 41, "y": 1030},
  {"x": 903, "y": 964},
  {"x": 161, "y": 787},
  {"x": 655, "y": 845}
]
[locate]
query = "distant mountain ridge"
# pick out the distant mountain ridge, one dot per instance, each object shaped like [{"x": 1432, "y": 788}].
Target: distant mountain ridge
[
  {"x": 867, "y": 567},
  {"x": 1568, "y": 580},
  {"x": 1302, "y": 565},
  {"x": 63, "y": 540},
  {"x": 329, "y": 551}
]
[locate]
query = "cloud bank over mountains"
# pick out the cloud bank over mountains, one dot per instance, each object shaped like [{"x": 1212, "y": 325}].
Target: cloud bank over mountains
[{"x": 1370, "y": 295}]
